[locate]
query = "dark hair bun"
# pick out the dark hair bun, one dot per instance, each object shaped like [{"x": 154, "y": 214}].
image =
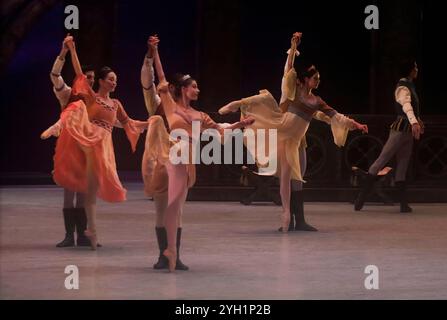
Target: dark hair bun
[
  {"x": 103, "y": 72},
  {"x": 180, "y": 80}
]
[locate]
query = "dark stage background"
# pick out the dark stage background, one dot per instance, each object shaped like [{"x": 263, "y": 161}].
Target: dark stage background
[{"x": 233, "y": 49}]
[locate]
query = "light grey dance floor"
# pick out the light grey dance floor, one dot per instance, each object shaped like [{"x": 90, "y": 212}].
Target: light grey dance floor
[{"x": 233, "y": 251}]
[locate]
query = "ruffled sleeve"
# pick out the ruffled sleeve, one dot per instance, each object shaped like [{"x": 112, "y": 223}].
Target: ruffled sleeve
[
  {"x": 340, "y": 124},
  {"x": 130, "y": 126},
  {"x": 288, "y": 83},
  {"x": 320, "y": 116},
  {"x": 288, "y": 86}
]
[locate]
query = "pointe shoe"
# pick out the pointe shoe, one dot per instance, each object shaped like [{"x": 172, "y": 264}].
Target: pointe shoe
[
  {"x": 93, "y": 238},
  {"x": 172, "y": 258},
  {"x": 51, "y": 131},
  {"x": 229, "y": 108},
  {"x": 285, "y": 219}
]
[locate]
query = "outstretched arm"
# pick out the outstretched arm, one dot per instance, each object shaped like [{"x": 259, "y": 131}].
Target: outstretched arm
[
  {"x": 339, "y": 119},
  {"x": 209, "y": 123}
]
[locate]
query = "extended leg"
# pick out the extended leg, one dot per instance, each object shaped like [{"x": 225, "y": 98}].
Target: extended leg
[{"x": 389, "y": 150}]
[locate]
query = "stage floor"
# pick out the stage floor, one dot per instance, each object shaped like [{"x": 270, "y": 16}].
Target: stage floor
[{"x": 233, "y": 251}]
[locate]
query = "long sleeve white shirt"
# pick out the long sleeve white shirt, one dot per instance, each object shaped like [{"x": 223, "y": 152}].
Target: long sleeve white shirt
[
  {"x": 60, "y": 88},
  {"x": 151, "y": 98},
  {"x": 403, "y": 97}
]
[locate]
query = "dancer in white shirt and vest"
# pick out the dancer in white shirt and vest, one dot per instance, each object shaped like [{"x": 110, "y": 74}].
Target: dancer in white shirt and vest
[{"x": 407, "y": 127}]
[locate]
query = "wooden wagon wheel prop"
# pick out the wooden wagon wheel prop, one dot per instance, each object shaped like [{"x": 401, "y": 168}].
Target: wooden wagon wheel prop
[
  {"x": 316, "y": 155},
  {"x": 362, "y": 151}
]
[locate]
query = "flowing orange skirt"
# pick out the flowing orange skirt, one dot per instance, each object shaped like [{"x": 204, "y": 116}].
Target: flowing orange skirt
[{"x": 79, "y": 140}]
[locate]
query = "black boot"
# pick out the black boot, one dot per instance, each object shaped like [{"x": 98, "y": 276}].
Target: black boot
[
  {"x": 81, "y": 225},
  {"x": 402, "y": 194},
  {"x": 367, "y": 187},
  {"x": 162, "y": 239},
  {"x": 69, "y": 222},
  {"x": 298, "y": 211},
  {"x": 179, "y": 264}
]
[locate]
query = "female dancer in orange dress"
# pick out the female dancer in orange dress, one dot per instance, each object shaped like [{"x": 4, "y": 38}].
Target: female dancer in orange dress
[
  {"x": 176, "y": 178},
  {"x": 85, "y": 160},
  {"x": 75, "y": 218}
]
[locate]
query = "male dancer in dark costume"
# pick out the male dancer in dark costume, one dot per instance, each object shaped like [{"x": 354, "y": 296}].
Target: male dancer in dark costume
[{"x": 405, "y": 128}]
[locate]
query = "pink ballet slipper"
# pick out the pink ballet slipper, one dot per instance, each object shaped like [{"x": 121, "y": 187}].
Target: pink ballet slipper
[
  {"x": 285, "y": 221},
  {"x": 229, "y": 108},
  {"x": 93, "y": 238},
  {"x": 53, "y": 131},
  {"x": 172, "y": 258}
]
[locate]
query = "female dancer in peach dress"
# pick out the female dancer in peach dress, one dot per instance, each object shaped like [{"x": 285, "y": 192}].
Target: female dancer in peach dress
[
  {"x": 84, "y": 160},
  {"x": 291, "y": 122}
]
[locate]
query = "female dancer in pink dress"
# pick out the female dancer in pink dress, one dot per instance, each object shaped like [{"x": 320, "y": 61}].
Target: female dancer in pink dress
[
  {"x": 84, "y": 160},
  {"x": 159, "y": 172}
]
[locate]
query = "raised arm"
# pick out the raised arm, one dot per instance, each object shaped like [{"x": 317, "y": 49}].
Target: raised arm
[
  {"x": 288, "y": 81},
  {"x": 74, "y": 56},
  {"x": 158, "y": 66},
  {"x": 55, "y": 75},
  {"x": 296, "y": 39},
  {"x": 168, "y": 102},
  {"x": 60, "y": 88},
  {"x": 151, "y": 99},
  {"x": 147, "y": 70}
]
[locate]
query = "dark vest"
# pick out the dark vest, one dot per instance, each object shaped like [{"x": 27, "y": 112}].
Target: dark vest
[{"x": 402, "y": 123}]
